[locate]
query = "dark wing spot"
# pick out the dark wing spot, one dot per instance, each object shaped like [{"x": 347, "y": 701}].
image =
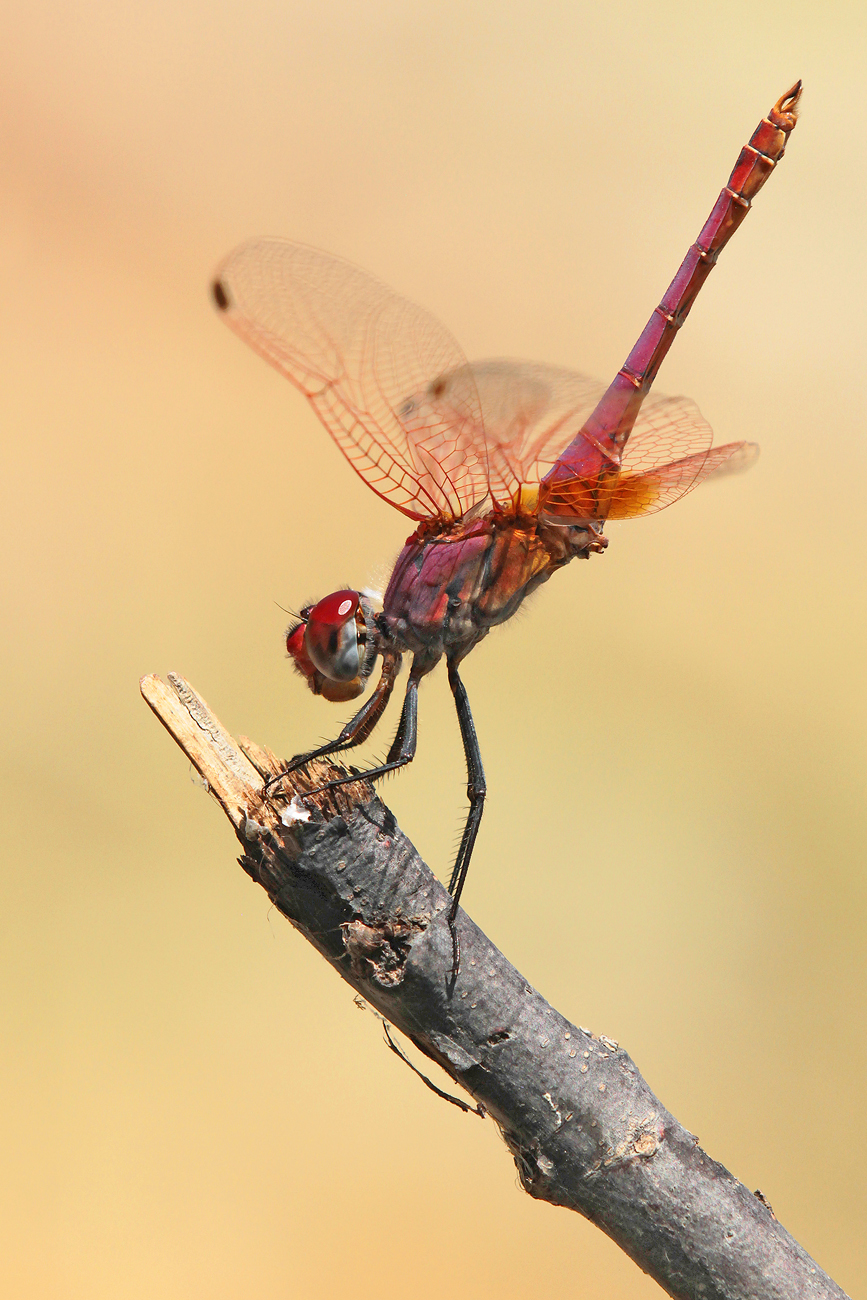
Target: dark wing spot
[
  {"x": 438, "y": 387},
  {"x": 221, "y": 298}
]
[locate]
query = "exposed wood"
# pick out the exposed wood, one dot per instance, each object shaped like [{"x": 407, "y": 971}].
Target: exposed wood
[{"x": 585, "y": 1130}]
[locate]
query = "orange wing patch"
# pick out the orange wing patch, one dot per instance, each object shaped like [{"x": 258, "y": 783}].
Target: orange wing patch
[{"x": 642, "y": 494}]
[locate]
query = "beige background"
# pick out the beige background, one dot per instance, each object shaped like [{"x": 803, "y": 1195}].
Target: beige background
[{"x": 674, "y": 851}]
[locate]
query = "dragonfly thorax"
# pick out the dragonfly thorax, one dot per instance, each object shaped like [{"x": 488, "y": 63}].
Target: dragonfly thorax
[{"x": 448, "y": 591}]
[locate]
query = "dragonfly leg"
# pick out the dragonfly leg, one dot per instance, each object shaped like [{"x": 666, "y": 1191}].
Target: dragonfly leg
[
  {"x": 358, "y": 728},
  {"x": 476, "y": 791},
  {"x": 403, "y": 747}
]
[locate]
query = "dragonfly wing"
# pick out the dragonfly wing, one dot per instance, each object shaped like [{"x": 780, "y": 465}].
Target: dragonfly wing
[
  {"x": 532, "y": 412},
  {"x": 667, "y": 429},
  {"x": 529, "y": 413},
  {"x": 668, "y": 452},
  {"x": 642, "y": 494},
  {"x": 428, "y": 432},
  {"x": 356, "y": 350}
]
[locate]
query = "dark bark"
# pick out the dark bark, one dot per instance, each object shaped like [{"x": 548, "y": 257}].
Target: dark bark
[{"x": 585, "y": 1130}]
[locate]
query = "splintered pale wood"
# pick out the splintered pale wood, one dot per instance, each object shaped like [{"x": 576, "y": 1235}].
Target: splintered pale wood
[
  {"x": 585, "y": 1130},
  {"x": 209, "y": 747}
]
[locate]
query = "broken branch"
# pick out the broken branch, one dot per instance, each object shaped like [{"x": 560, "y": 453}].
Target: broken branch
[{"x": 585, "y": 1130}]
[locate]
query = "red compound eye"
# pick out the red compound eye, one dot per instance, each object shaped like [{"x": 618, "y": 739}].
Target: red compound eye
[
  {"x": 325, "y": 646},
  {"x": 335, "y": 609},
  {"x": 331, "y": 637},
  {"x": 295, "y": 646}
]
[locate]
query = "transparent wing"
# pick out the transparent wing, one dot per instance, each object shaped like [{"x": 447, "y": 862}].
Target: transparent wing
[
  {"x": 666, "y": 429},
  {"x": 529, "y": 413},
  {"x": 668, "y": 453},
  {"x": 642, "y": 494},
  {"x": 428, "y": 432},
  {"x": 358, "y": 352}
]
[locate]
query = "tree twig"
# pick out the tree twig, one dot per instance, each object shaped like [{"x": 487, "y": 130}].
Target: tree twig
[{"x": 585, "y": 1130}]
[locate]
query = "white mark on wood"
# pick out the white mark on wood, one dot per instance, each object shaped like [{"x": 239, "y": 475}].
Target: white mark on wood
[
  {"x": 550, "y": 1102},
  {"x": 296, "y": 812}
]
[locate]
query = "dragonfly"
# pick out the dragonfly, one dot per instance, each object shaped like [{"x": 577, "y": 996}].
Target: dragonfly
[{"x": 508, "y": 469}]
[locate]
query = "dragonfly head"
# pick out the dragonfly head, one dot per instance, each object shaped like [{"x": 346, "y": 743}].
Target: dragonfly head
[{"x": 334, "y": 646}]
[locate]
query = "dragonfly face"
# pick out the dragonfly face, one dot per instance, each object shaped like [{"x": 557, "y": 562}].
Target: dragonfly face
[
  {"x": 509, "y": 469},
  {"x": 334, "y": 645}
]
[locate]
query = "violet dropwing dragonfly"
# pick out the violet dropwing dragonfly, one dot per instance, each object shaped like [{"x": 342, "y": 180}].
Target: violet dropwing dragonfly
[{"x": 508, "y": 469}]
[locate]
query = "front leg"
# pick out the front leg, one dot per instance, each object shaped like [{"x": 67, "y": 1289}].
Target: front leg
[
  {"x": 357, "y": 729},
  {"x": 403, "y": 747}
]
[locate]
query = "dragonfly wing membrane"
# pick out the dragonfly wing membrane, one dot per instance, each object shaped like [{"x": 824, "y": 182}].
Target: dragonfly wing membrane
[
  {"x": 668, "y": 453},
  {"x": 642, "y": 494},
  {"x": 529, "y": 412},
  {"x": 356, "y": 350},
  {"x": 667, "y": 429},
  {"x": 430, "y": 433}
]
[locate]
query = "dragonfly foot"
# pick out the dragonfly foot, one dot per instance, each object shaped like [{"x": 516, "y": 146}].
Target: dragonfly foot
[
  {"x": 272, "y": 781},
  {"x": 456, "y": 945}
]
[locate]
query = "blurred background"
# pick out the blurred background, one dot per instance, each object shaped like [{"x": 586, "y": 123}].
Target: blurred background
[{"x": 674, "y": 733}]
